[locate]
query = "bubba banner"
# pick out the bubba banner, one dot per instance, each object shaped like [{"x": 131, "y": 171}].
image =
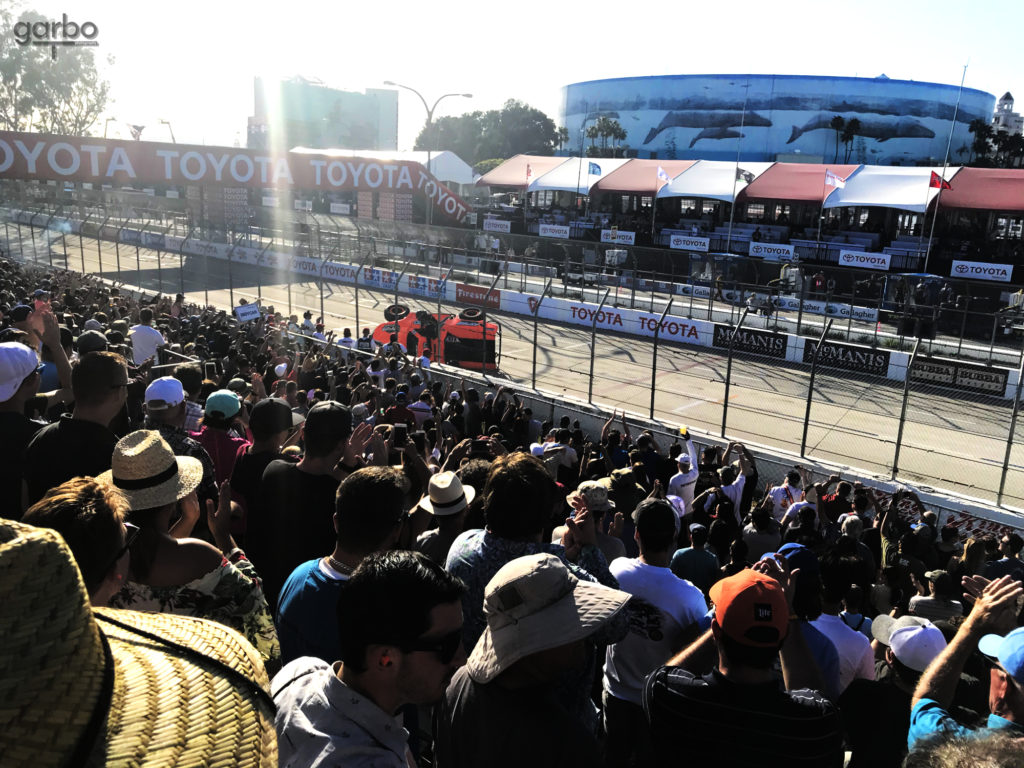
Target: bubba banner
[{"x": 32, "y": 156}]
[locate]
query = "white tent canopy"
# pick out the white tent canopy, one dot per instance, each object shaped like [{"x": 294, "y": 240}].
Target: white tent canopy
[
  {"x": 889, "y": 187},
  {"x": 445, "y": 166},
  {"x": 575, "y": 174},
  {"x": 714, "y": 179}
]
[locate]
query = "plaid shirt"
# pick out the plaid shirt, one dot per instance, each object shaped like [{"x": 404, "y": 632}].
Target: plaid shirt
[{"x": 193, "y": 413}]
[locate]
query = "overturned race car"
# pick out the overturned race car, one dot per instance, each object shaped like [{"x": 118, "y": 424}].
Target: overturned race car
[{"x": 467, "y": 340}]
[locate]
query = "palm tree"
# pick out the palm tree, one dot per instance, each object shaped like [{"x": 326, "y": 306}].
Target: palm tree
[
  {"x": 982, "y": 144},
  {"x": 837, "y": 125},
  {"x": 562, "y": 136},
  {"x": 850, "y": 131}
]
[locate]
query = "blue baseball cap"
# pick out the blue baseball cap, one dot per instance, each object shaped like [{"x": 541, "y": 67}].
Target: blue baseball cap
[
  {"x": 799, "y": 556},
  {"x": 1008, "y": 650}
]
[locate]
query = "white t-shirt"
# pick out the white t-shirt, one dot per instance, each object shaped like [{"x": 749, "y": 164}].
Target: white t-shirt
[
  {"x": 683, "y": 483},
  {"x": 793, "y": 513},
  {"x": 145, "y": 341},
  {"x": 735, "y": 493},
  {"x": 782, "y": 497},
  {"x": 667, "y": 606},
  {"x": 854, "y": 649}
]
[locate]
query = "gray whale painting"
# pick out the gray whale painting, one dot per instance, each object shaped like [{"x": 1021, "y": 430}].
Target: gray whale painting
[{"x": 763, "y": 117}]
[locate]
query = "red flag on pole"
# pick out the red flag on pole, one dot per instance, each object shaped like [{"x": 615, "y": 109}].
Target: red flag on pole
[{"x": 937, "y": 182}]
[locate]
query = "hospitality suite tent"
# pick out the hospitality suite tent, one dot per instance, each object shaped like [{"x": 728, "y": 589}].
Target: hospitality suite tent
[
  {"x": 993, "y": 189},
  {"x": 641, "y": 177},
  {"x": 576, "y": 175},
  {"x": 795, "y": 182},
  {"x": 519, "y": 171},
  {"x": 714, "y": 180},
  {"x": 908, "y": 189}
]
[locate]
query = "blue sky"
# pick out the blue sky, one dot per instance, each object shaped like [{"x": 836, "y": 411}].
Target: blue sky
[{"x": 193, "y": 63}]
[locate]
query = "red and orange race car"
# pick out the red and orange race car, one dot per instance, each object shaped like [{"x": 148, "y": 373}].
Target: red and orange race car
[{"x": 467, "y": 340}]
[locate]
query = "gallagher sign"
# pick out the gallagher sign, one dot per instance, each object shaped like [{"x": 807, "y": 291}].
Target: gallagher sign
[
  {"x": 977, "y": 270},
  {"x": 35, "y": 156}
]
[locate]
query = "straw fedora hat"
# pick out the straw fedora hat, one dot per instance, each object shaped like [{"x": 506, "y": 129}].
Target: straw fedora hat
[
  {"x": 446, "y": 495},
  {"x": 534, "y": 603},
  {"x": 146, "y": 471},
  {"x": 105, "y": 687}
]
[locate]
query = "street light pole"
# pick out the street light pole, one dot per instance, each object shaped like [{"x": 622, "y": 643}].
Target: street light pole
[
  {"x": 168, "y": 124},
  {"x": 430, "y": 120},
  {"x": 106, "y": 124}
]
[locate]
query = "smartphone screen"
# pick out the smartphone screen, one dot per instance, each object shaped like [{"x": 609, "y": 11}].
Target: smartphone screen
[{"x": 401, "y": 433}]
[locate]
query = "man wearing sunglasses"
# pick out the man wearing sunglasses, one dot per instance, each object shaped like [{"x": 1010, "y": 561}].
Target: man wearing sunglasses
[
  {"x": 991, "y": 628},
  {"x": 404, "y": 649}
]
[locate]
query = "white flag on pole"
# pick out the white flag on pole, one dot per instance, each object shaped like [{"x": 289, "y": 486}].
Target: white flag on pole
[{"x": 834, "y": 180}]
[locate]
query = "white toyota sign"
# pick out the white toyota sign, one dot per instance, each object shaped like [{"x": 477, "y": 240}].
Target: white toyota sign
[
  {"x": 554, "y": 230},
  {"x": 772, "y": 251},
  {"x": 689, "y": 243},
  {"x": 865, "y": 260},
  {"x": 979, "y": 270},
  {"x": 618, "y": 236},
  {"x": 498, "y": 225}
]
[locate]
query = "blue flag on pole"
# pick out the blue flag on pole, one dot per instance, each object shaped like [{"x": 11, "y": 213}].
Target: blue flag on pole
[{"x": 594, "y": 169}]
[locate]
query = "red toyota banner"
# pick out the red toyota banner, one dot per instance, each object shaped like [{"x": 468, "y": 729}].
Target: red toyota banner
[{"x": 32, "y": 156}]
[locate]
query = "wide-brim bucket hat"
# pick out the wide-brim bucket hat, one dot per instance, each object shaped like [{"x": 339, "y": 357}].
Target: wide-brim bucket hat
[
  {"x": 104, "y": 687},
  {"x": 534, "y": 603}
]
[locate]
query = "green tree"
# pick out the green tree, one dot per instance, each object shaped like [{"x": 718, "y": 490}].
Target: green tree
[
  {"x": 64, "y": 96},
  {"x": 487, "y": 165},
  {"x": 563, "y": 136},
  {"x": 516, "y": 128},
  {"x": 981, "y": 147}
]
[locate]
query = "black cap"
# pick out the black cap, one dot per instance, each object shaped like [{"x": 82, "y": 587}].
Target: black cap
[
  {"x": 271, "y": 416},
  {"x": 20, "y": 313},
  {"x": 329, "y": 419},
  {"x": 91, "y": 341}
]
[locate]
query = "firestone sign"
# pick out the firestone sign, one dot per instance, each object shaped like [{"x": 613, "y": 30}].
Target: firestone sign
[{"x": 33, "y": 156}]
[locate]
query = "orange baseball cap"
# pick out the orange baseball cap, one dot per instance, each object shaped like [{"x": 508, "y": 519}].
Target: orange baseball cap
[{"x": 751, "y": 608}]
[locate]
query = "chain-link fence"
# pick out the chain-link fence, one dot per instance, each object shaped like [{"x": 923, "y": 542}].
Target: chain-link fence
[{"x": 790, "y": 383}]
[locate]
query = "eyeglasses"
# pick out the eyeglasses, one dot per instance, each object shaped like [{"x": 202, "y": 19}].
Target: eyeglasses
[
  {"x": 444, "y": 648},
  {"x": 131, "y": 534}
]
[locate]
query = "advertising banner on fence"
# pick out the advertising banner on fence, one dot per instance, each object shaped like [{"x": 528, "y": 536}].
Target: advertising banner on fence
[
  {"x": 339, "y": 273},
  {"x": 864, "y": 260},
  {"x": 689, "y": 243},
  {"x": 848, "y": 357},
  {"x": 477, "y": 294},
  {"x": 617, "y": 236},
  {"x": 976, "y": 270},
  {"x": 343, "y": 208},
  {"x": 37, "y": 156},
  {"x": 428, "y": 287},
  {"x": 772, "y": 251},
  {"x": 379, "y": 278},
  {"x": 554, "y": 230},
  {"x": 752, "y": 340},
  {"x": 268, "y": 201},
  {"x": 497, "y": 225},
  {"x": 975, "y": 378}
]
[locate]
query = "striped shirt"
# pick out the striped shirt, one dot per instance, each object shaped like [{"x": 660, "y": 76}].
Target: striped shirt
[{"x": 711, "y": 720}]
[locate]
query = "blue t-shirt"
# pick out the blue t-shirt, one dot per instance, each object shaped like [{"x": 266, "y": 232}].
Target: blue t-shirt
[
  {"x": 928, "y": 719},
  {"x": 306, "y": 616}
]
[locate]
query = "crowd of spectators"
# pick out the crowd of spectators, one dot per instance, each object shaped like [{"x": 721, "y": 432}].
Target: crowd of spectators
[{"x": 433, "y": 574}]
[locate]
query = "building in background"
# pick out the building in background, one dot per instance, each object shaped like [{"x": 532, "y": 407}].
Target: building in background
[
  {"x": 1005, "y": 119},
  {"x": 777, "y": 117},
  {"x": 301, "y": 112}
]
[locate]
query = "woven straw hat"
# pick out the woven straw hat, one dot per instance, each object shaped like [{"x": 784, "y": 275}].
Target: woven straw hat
[
  {"x": 146, "y": 471},
  {"x": 447, "y": 495},
  {"x": 110, "y": 687}
]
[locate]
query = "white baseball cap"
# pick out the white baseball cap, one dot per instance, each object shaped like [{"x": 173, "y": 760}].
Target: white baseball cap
[
  {"x": 166, "y": 392},
  {"x": 16, "y": 362},
  {"x": 917, "y": 647}
]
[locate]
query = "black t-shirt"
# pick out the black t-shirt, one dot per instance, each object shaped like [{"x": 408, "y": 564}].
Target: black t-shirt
[
  {"x": 714, "y": 721},
  {"x": 295, "y": 523},
  {"x": 876, "y": 718},
  {"x": 248, "y": 474},
  {"x": 65, "y": 449},
  {"x": 16, "y": 430},
  {"x": 487, "y": 725}
]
